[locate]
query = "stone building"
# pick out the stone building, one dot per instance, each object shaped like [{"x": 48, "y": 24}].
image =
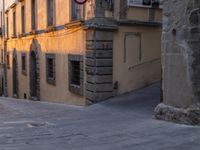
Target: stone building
[
  {"x": 181, "y": 62},
  {"x": 60, "y": 51}
]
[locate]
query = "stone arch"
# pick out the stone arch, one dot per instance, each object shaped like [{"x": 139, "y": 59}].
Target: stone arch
[
  {"x": 34, "y": 70},
  {"x": 15, "y": 74}
]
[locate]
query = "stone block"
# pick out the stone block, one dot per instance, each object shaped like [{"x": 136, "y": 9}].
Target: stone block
[
  {"x": 99, "y": 62},
  {"x": 96, "y": 97},
  {"x": 189, "y": 116},
  {"x": 99, "y": 35},
  {"x": 99, "y": 87},
  {"x": 99, "y": 79},
  {"x": 99, "y": 54},
  {"x": 99, "y": 70},
  {"x": 99, "y": 45}
]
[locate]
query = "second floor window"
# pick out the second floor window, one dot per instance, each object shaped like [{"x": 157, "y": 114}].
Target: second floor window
[
  {"x": 23, "y": 18},
  {"x": 145, "y": 3},
  {"x": 50, "y": 12},
  {"x": 14, "y": 23},
  {"x": 7, "y": 24},
  {"x": 33, "y": 14},
  {"x": 77, "y": 11}
]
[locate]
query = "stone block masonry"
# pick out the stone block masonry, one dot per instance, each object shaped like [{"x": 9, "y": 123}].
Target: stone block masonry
[
  {"x": 99, "y": 62},
  {"x": 181, "y": 62}
]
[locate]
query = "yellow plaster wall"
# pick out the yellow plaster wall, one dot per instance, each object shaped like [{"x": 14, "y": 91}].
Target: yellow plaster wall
[
  {"x": 134, "y": 74},
  {"x": 60, "y": 43}
]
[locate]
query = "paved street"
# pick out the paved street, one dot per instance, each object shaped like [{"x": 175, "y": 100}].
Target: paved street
[{"x": 123, "y": 123}]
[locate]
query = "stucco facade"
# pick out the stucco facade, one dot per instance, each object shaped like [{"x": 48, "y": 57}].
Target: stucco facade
[{"x": 116, "y": 48}]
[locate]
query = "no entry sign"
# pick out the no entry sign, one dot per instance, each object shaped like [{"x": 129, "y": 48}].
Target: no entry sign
[{"x": 80, "y": 1}]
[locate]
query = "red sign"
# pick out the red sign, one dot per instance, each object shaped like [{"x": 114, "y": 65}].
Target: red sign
[{"x": 80, "y": 1}]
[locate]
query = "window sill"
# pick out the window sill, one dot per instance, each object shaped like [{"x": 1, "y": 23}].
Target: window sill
[
  {"x": 146, "y": 6},
  {"x": 33, "y": 32},
  {"x": 76, "y": 89},
  {"x": 50, "y": 29},
  {"x": 24, "y": 72},
  {"x": 13, "y": 36},
  {"x": 51, "y": 81},
  {"x": 74, "y": 23}
]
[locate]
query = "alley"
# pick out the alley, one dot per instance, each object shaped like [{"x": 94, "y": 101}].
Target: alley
[{"x": 122, "y": 123}]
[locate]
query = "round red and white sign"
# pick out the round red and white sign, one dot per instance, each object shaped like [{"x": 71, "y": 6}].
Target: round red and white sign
[{"x": 80, "y": 1}]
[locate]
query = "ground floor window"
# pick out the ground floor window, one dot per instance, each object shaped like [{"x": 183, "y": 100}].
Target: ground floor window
[
  {"x": 50, "y": 69},
  {"x": 2, "y": 53},
  {"x": 8, "y": 60},
  {"x": 23, "y": 59},
  {"x": 76, "y": 74}
]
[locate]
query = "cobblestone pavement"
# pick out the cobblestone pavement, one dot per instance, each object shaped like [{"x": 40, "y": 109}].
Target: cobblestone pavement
[{"x": 123, "y": 123}]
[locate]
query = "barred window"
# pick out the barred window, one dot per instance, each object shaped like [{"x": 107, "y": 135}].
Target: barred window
[
  {"x": 8, "y": 60},
  {"x": 76, "y": 74},
  {"x": 50, "y": 69},
  {"x": 23, "y": 59},
  {"x": 2, "y": 56}
]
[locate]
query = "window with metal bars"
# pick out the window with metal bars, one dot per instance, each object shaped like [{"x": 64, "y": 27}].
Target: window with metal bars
[
  {"x": 24, "y": 63},
  {"x": 8, "y": 60},
  {"x": 2, "y": 56},
  {"x": 50, "y": 69},
  {"x": 76, "y": 74}
]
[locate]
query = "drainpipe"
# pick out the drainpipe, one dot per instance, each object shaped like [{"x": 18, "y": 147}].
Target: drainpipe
[{"x": 5, "y": 53}]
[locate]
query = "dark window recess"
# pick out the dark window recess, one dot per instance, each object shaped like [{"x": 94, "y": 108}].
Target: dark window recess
[
  {"x": 33, "y": 14},
  {"x": 8, "y": 60},
  {"x": 76, "y": 74},
  {"x": 151, "y": 2},
  {"x": 24, "y": 64},
  {"x": 2, "y": 56},
  {"x": 77, "y": 11},
  {"x": 50, "y": 69},
  {"x": 14, "y": 23},
  {"x": 23, "y": 18},
  {"x": 7, "y": 25},
  {"x": 50, "y": 12}
]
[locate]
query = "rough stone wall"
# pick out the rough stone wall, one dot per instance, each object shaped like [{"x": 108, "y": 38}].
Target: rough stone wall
[
  {"x": 180, "y": 60},
  {"x": 99, "y": 64}
]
